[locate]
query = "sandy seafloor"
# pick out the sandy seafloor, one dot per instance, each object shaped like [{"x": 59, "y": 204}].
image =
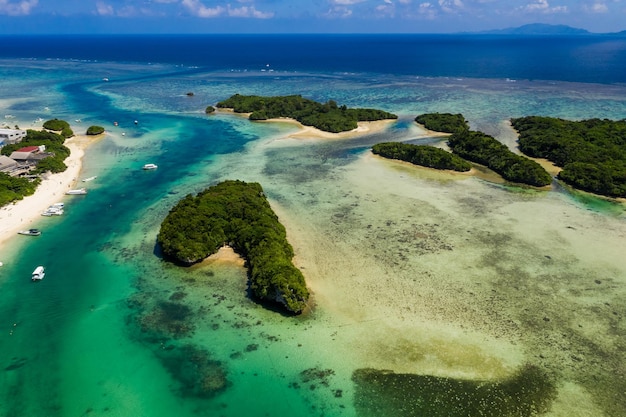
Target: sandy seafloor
[{"x": 476, "y": 297}]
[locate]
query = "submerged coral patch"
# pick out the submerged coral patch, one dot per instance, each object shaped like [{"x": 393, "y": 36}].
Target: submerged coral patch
[{"x": 529, "y": 392}]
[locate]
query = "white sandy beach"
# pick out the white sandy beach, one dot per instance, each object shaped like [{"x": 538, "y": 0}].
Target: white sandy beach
[{"x": 23, "y": 214}]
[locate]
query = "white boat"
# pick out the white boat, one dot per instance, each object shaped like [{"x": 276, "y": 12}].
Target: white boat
[
  {"x": 38, "y": 273},
  {"x": 90, "y": 179},
  {"x": 57, "y": 206},
  {"x": 78, "y": 191},
  {"x": 150, "y": 166},
  {"x": 30, "y": 232},
  {"x": 53, "y": 211}
]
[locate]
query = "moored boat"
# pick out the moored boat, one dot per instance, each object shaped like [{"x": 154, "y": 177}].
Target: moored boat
[
  {"x": 78, "y": 191},
  {"x": 30, "y": 232},
  {"x": 38, "y": 273},
  {"x": 90, "y": 178},
  {"x": 150, "y": 166},
  {"x": 53, "y": 211}
]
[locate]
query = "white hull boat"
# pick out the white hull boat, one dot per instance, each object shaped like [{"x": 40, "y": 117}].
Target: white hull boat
[
  {"x": 79, "y": 191},
  {"x": 38, "y": 273}
]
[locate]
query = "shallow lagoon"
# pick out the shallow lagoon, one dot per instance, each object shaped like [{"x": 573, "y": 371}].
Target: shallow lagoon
[{"x": 425, "y": 283}]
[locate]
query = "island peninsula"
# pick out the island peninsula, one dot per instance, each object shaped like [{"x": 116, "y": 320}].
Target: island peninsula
[
  {"x": 237, "y": 214},
  {"x": 328, "y": 117}
]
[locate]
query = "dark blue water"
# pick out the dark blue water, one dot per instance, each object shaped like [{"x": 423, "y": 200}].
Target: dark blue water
[{"x": 594, "y": 58}]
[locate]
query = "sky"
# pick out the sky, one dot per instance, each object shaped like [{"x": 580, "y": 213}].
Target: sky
[{"x": 303, "y": 16}]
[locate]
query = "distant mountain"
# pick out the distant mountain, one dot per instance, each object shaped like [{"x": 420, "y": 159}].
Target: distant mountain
[{"x": 539, "y": 29}]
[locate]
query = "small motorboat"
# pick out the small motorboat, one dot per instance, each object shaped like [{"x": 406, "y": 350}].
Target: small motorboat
[
  {"x": 38, "y": 274},
  {"x": 30, "y": 232},
  {"x": 79, "y": 191},
  {"x": 150, "y": 166}
]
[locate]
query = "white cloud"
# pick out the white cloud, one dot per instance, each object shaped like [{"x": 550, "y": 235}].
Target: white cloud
[
  {"x": 104, "y": 9},
  {"x": 450, "y": 6},
  {"x": 427, "y": 10},
  {"x": 543, "y": 6},
  {"x": 198, "y": 9},
  {"x": 599, "y": 8},
  {"x": 338, "y": 12},
  {"x": 346, "y": 2},
  {"x": 246, "y": 11},
  {"x": 20, "y": 8}
]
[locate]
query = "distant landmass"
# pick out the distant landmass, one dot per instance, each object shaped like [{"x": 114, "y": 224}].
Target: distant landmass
[{"x": 545, "y": 29}]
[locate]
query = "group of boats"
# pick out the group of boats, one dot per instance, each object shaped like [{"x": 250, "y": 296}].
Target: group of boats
[{"x": 54, "y": 210}]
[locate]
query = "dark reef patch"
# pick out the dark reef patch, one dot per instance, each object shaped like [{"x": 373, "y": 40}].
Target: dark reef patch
[
  {"x": 194, "y": 370},
  {"x": 528, "y": 393}
]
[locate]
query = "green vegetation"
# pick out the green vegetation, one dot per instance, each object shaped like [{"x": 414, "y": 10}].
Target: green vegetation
[
  {"x": 327, "y": 117},
  {"x": 209, "y": 110},
  {"x": 54, "y": 145},
  {"x": 483, "y": 149},
  {"x": 238, "y": 214},
  {"x": 423, "y": 155},
  {"x": 15, "y": 188},
  {"x": 591, "y": 152},
  {"x": 442, "y": 122},
  {"x": 59, "y": 126},
  {"x": 95, "y": 130}
]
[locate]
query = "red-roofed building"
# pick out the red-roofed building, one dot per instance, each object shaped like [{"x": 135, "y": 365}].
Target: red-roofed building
[
  {"x": 29, "y": 149},
  {"x": 30, "y": 153}
]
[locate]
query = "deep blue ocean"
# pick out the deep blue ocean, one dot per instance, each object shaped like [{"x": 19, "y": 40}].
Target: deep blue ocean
[
  {"x": 434, "y": 294},
  {"x": 594, "y": 58}
]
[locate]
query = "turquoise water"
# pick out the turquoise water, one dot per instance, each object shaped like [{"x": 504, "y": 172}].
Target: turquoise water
[{"x": 414, "y": 271}]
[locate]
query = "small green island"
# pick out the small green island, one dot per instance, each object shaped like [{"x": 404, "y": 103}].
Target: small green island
[
  {"x": 94, "y": 130},
  {"x": 60, "y": 126},
  {"x": 483, "y": 149},
  {"x": 237, "y": 214},
  {"x": 591, "y": 153},
  {"x": 466, "y": 145},
  {"x": 424, "y": 155},
  {"x": 328, "y": 116}
]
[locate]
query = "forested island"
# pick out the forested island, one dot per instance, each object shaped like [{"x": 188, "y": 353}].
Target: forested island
[
  {"x": 442, "y": 122},
  {"x": 591, "y": 153},
  {"x": 328, "y": 116},
  {"x": 423, "y": 155},
  {"x": 16, "y": 188},
  {"x": 238, "y": 214},
  {"x": 473, "y": 146},
  {"x": 486, "y": 150}
]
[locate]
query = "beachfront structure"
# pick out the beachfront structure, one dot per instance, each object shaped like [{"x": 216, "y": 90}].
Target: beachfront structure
[
  {"x": 7, "y": 165},
  {"x": 11, "y": 136},
  {"x": 29, "y": 154}
]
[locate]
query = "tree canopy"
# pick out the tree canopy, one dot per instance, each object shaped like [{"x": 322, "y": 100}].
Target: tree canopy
[
  {"x": 328, "y": 116},
  {"x": 238, "y": 214},
  {"x": 442, "y": 122},
  {"x": 423, "y": 155},
  {"x": 486, "y": 150},
  {"x": 94, "y": 130},
  {"x": 591, "y": 152},
  {"x": 59, "y": 126}
]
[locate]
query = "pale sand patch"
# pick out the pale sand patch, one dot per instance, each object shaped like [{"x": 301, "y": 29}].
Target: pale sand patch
[
  {"x": 24, "y": 213},
  {"x": 225, "y": 255}
]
